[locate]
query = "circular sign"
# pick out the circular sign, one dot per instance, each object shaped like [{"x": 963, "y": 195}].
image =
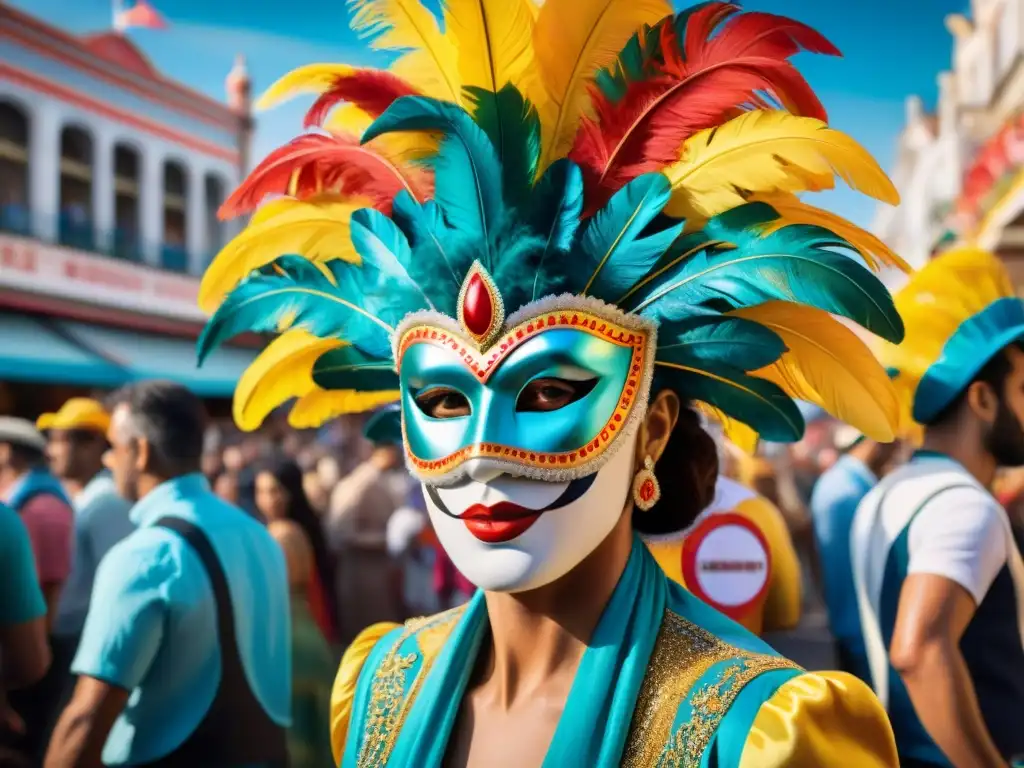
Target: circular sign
[{"x": 726, "y": 563}]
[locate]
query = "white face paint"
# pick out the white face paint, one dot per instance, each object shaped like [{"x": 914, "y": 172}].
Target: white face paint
[{"x": 525, "y": 551}]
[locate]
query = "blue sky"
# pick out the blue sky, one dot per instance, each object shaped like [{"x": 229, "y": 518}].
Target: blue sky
[{"x": 891, "y": 48}]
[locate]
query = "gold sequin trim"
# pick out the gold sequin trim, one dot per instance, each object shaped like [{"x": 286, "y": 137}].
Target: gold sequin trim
[
  {"x": 683, "y": 652},
  {"x": 389, "y": 703},
  {"x": 709, "y": 705}
]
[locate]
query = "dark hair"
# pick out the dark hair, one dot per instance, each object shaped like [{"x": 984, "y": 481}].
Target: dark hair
[
  {"x": 173, "y": 421},
  {"x": 993, "y": 373},
  {"x": 86, "y": 437},
  {"x": 300, "y": 512},
  {"x": 27, "y": 455},
  {"x": 687, "y": 473}
]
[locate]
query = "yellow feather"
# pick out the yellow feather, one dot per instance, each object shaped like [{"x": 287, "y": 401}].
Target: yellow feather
[
  {"x": 282, "y": 371},
  {"x": 793, "y": 211},
  {"x": 574, "y": 39},
  {"x": 430, "y": 59},
  {"x": 933, "y": 304},
  {"x": 320, "y": 405},
  {"x": 312, "y": 78},
  {"x": 317, "y": 229},
  {"x": 495, "y": 42},
  {"x": 828, "y": 365},
  {"x": 736, "y": 432},
  {"x": 767, "y": 151}
]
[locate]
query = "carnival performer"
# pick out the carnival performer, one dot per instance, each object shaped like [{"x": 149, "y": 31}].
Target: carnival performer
[
  {"x": 939, "y": 580},
  {"x": 550, "y": 233},
  {"x": 737, "y": 555}
]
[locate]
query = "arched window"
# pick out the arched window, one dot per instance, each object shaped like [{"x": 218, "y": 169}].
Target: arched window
[
  {"x": 174, "y": 253},
  {"x": 215, "y": 230},
  {"x": 127, "y": 243},
  {"x": 14, "y": 131},
  {"x": 76, "y": 167}
]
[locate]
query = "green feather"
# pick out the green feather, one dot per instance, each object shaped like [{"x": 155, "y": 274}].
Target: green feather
[
  {"x": 299, "y": 293},
  {"x": 711, "y": 338},
  {"x": 755, "y": 402},
  {"x": 791, "y": 264},
  {"x": 384, "y": 427},
  {"x": 513, "y": 125},
  {"x": 348, "y": 368}
]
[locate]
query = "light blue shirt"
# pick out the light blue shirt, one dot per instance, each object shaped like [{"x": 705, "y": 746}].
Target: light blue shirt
[
  {"x": 152, "y": 625},
  {"x": 833, "y": 505},
  {"x": 101, "y": 520},
  {"x": 21, "y": 599}
]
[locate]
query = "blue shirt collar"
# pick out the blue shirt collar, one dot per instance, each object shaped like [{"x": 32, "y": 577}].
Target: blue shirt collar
[
  {"x": 153, "y": 505},
  {"x": 858, "y": 469}
]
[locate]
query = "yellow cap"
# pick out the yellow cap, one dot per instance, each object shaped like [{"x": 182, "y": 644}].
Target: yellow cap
[{"x": 77, "y": 413}]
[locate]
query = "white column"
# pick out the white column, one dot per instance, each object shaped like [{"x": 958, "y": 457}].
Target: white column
[
  {"x": 103, "y": 189},
  {"x": 196, "y": 239},
  {"x": 44, "y": 169},
  {"x": 151, "y": 203}
]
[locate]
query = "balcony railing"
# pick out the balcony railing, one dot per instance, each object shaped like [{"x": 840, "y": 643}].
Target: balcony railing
[{"x": 80, "y": 233}]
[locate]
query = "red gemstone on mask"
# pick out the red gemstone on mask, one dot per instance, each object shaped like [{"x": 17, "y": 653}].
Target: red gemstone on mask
[
  {"x": 477, "y": 307},
  {"x": 647, "y": 490}
]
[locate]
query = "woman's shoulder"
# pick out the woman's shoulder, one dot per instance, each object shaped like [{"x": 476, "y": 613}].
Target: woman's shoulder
[
  {"x": 384, "y": 656},
  {"x": 713, "y": 688}
]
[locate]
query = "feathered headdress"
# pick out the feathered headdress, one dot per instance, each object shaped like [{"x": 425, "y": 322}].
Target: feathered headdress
[
  {"x": 607, "y": 149},
  {"x": 960, "y": 309}
]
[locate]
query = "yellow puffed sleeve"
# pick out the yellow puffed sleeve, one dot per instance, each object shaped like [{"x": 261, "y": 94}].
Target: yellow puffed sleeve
[
  {"x": 782, "y": 604},
  {"x": 344, "y": 689},
  {"x": 821, "y": 720}
]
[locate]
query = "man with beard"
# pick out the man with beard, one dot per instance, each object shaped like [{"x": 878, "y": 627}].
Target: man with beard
[{"x": 939, "y": 580}]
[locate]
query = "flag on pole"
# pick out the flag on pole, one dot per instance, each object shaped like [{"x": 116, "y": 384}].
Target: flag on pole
[{"x": 140, "y": 14}]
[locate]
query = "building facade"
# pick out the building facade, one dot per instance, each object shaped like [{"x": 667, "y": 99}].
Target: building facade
[
  {"x": 958, "y": 169},
  {"x": 111, "y": 176}
]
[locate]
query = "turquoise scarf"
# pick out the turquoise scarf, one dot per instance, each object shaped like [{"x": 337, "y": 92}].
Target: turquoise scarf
[{"x": 605, "y": 689}]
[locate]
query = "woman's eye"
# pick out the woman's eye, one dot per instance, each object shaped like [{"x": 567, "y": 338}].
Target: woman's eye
[
  {"x": 443, "y": 403},
  {"x": 551, "y": 394}
]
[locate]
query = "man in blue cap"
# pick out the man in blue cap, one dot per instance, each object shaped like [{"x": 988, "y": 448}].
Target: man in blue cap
[{"x": 939, "y": 579}]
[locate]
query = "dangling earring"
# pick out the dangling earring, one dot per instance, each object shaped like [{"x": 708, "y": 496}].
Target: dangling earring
[{"x": 646, "y": 490}]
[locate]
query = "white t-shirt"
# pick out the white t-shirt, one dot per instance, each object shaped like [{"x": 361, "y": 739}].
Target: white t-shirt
[{"x": 930, "y": 516}]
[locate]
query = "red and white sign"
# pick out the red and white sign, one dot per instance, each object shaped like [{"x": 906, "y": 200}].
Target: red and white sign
[
  {"x": 28, "y": 265},
  {"x": 727, "y": 564}
]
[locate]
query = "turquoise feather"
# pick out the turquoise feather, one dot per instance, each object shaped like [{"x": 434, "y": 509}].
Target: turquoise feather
[
  {"x": 755, "y": 402},
  {"x": 555, "y": 215},
  {"x": 613, "y": 255},
  {"x": 306, "y": 296},
  {"x": 382, "y": 245},
  {"x": 791, "y": 264},
  {"x": 432, "y": 244},
  {"x": 513, "y": 125},
  {"x": 465, "y": 166},
  {"x": 348, "y": 368},
  {"x": 384, "y": 426},
  {"x": 711, "y": 338}
]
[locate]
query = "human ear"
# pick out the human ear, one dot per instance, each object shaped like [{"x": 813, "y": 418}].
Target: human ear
[
  {"x": 656, "y": 428},
  {"x": 142, "y": 454},
  {"x": 983, "y": 401}
]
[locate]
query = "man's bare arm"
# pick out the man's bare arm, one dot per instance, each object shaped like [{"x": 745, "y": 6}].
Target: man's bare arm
[
  {"x": 84, "y": 725},
  {"x": 933, "y": 613}
]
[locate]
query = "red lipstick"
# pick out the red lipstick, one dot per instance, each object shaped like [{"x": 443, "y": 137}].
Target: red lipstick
[{"x": 499, "y": 523}]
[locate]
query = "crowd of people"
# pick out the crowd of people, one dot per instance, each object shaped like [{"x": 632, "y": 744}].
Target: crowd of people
[{"x": 123, "y": 519}]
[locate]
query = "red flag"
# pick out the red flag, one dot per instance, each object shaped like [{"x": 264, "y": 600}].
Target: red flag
[{"x": 142, "y": 14}]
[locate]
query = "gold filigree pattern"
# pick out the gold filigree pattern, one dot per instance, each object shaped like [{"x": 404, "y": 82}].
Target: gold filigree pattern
[
  {"x": 683, "y": 652},
  {"x": 389, "y": 700},
  {"x": 709, "y": 705}
]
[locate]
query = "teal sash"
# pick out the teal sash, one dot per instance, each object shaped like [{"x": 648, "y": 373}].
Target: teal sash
[
  {"x": 35, "y": 482},
  {"x": 605, "y": 689}
]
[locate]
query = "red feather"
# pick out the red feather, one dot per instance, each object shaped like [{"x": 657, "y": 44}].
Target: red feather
[
  {"x": 372, "y": 90},
  {"x": 703, "y": 80},
  {"x": 313, "y": 163}
]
